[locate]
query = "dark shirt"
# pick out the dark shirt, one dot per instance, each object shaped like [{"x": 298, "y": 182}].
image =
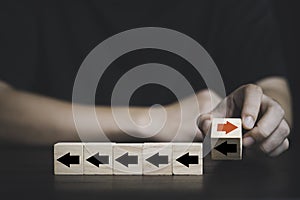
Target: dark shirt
[{"x": 43, "y": 43}]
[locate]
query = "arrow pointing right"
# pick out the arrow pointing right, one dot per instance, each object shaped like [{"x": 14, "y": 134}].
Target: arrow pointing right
[
  {"x": 97, "y": 160},
  {"x": 227, "y": 127},
  {"x": 156, "y": 159},
  {"x": 67, "y": 159},
  {"x": 225, "y": 148},
  {"x": 125, "y": 159}
]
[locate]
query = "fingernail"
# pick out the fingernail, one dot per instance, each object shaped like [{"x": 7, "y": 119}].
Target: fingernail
[
  {"x": 249, "y": 122},
  {"x": 248, "y": 141}
]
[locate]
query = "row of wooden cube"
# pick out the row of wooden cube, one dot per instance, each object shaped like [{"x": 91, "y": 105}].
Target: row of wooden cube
[{"x": 128, "y": 158}]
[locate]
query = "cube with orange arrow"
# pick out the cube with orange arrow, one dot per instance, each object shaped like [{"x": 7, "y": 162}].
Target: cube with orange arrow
[{"x": 226, "y": 139}]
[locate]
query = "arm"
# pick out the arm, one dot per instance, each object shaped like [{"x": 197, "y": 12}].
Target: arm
[
  {"x": 34, "y": 119},
  {"x": 277, "y": 88}
]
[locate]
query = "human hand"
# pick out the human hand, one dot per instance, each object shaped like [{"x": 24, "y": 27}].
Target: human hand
[{"x": 262, "y": 118}]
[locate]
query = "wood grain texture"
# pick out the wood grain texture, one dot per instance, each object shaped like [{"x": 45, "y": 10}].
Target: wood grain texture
[
  {"x": 133, "y": 150},
  {"x": 94, "y": 150},
  {"x": 61, "y": 149},
  {"x": 194, "y": 149},
  {"x": 236, "y": 133},
  {"x": 150, "y": 151},
  {"x": 217, "y": 155},
  {"x": 233, "y": 137}
]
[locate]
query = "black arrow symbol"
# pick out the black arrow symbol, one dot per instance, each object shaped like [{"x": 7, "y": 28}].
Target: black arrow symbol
[
  {"x": 225, "y": 148},
  {"x": 186, "y": 159},
  {"x": 97, "y": 159},
  {"x": 156, "y": 159},
  {"x": 125, "y": 159},
  {"x": 67, "y": 159}
]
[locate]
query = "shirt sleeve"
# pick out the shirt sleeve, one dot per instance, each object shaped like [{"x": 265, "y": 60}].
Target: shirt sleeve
[{"x": 244, "y": 42}]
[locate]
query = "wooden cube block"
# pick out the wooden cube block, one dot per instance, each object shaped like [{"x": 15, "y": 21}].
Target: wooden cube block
[
  {"x": 157, "y": 159},
  {"x": 187, "y": 159},
  {"x": 98, "y": 158},
  {"x": 128, "y": 159},
  {"x": 226, "y": 139},
  {"x": 68, "y": 158}
]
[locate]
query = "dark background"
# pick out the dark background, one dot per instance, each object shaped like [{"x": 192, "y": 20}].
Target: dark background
[
  {"x": 27, "y": 172},
  {"x": 287, "y": 13}
]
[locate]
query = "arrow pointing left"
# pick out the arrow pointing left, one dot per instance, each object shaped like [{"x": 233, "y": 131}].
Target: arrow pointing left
[
  {"x": 225, "y": 148},
  {"x": 126, "y": 159},
  {"x": 67, "y": 159},
  {"x": 186, "y": 159},
  {"x": 157, "y": 159},
  {"x": 97, "y": 160}
]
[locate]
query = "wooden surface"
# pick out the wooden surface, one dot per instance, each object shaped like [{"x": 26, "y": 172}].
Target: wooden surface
[
  {"x": 128, "y": 158},
  {"x": 132, "y": 150},
  {"x": 236, "y": 133},
  {"x": 27, "y": 173},
  {"x": 233, "y": 137},
  {"x": 216, "y": 155},
  {"x": 163, "y": 149},
  {"x": 194, "y": 149},
  {"x": 102, "y": 149},
  {"x": 61, "y": 149}
]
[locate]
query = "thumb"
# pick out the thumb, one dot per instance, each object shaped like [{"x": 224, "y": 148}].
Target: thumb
[{"x": 204, "y": 123}]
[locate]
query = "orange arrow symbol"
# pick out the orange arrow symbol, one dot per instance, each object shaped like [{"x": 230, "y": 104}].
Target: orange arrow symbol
[{"x": 228, "y": 127}]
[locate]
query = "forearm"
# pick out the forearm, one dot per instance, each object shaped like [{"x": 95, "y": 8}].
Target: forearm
[
  {"x": 35, "y": 119},
  {"x": 278, "y": 89}
]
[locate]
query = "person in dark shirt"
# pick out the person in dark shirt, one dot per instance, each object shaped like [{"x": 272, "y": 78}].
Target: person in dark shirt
[{"x": 43, "y": 44}]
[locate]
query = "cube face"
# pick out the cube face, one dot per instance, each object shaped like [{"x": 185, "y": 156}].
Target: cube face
[
  {"x": 187, "y": 159},
  {"x": 226, "y": 139},
  {"x": 226, "y": 128},
  {"x": 98, "y": 158},
  {"x": 132, "y": 158},
  {"x": 157, "y": 159},
  {"x": 227, "y": 149},
  {"x": 68, "y": 158},
  {"x": 128, "y": 159}
]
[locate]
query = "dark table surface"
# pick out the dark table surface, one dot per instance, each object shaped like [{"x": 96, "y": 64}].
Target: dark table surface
[{"x": 27, "y": 173}]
